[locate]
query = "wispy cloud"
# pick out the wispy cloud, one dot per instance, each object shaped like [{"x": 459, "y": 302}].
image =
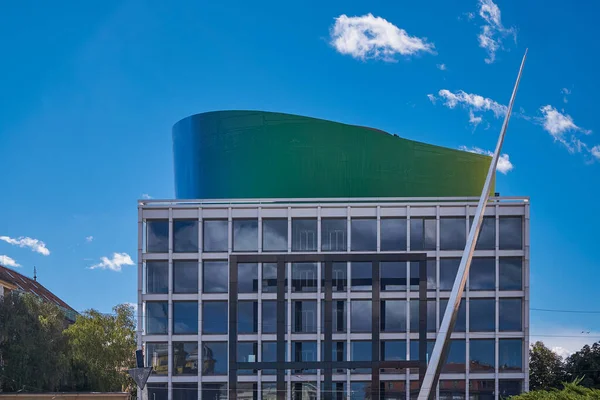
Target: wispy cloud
[
  {"x": 34, "y": 244},
  {"x": 504, "y": 164},
  {"x": 492, "y": 31},
  {"x": 562, "y": 128},
  {"x": 471, "y": 102},
  {"x": 115, "y": 263},
  {"x": 565, "y": 93},
  {"x": 595, "y": 151},
  {"x": 89, "y": 239},
  {"x": 370, "y": 37},
  {"x": 441, "y": 67},
  {"x": 146, "y": 196},
  {"x": 8, "y": 262}
]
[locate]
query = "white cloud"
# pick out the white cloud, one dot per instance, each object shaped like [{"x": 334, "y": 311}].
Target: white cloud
[
  {"x": 89, "y": 239},
  {"x": 492, "y": 32},
  {"x": 8, "y": 262},
  {"x": 564, "y": 341},
  {"x": 146, "y": 196},
  {"x": 561, "y": 351},
  {"x": 115, "y": 263},
  {"x": 565, "y": 92},
  {"x": 595, "y": 151},
  {"x": 442, "y": 67},
  {"x": 504, "y": 164},
  {"x": 370, "y": 37},
  {"x": 471, "y": 102},
  {"x": 432, "y": 98},
  {"x": 562, "y": 128},
  {"x": 34, "y": 244},
  {"x": 473, "y": 120}
]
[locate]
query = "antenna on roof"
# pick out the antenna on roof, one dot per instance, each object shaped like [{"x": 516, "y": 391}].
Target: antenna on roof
[{"x": 34, "y": 274}]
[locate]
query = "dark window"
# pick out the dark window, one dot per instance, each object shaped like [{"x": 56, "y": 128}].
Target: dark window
[
  {"x": 245, "y": 235},
  {"x": 157, "y": 391},
  {"x": 247, "y": 278},
  {"x": 269, "y": 354},
  {"x": 455, "y": 363},
  {"x": 511, "y": 273},
  {"x": 215, "y": 276},
  {"x": 269, "y": 278},
  {"x": 215, "y": 236},
  {"x": 185, "y": 317},
  {"x": 415, "y": 274},
  {"x": 510, "y": 313},
  {"x": 304, "y": 390},
  {"x": 157, "y": 356},
  {"x": 510, "y": 354},
  {"x": 413, "y": 304},
  {"x": 360, "y": 391},
  {"x": 214, "y": 317},
  {"x": 275, "y": 234},
  {"x": 361, "y": 274},
  {"x": 511, "y": 233},
  {"x": 461, "y": 319},
  {"x": 246, "y": 391},
  {"x": 392, "y": 276},
  {"x": 508, "y": 388},
  {"x": 185, "y": 391},
  {"x": 185, "y": 276},
  {"x": 269, "y": 316},
  {"x": 448, "y": 271},
  {"x": 364, "y": 234},
  {"x": 431, "y": 274},
  {"x": 482, "y": 389},
  {"x": 269, "y": 391},
  {"x": 247, "y": 352},
  {"x": 482, "y": 353},
  {"x": 482, "y": 275},
  {"x": 304, "y": 277},
  {"x": 452, "y": 389},
  {"x": 338, "y": 316},
  {"x": 361, "y": 350},
  {"x": 422, "y": 234},
  {"x": 393, "y": 234},
  {"x": 304, "y": 316},
  {"x": 333, "y": 234},
  {"x": 361, "y": 312},
  {"x": 185, "y": 236},
  {"x": 304, "y": 352},
  {"x": 487, "y": 234},
  {"x": 414, "y": 349},
  {"x": 482, "y": 315},
  {"x": 185, "y": 358},
  {"x": 213, "y": 391},
  {"x": 431, "y": 325},
  {"x": 339, "y": 277},
  {"x": 393, "y": 316},
  {"x": 214, "y": 357},
  {"x": 304, "y": 234},
  {"x": 395, "y": 390},
  {"x": 157, "y": 277},
  {"x": 247, "y": 317},
  {"x": 453, "y": 234},
  {"x": 157, "y": 317},
  {"x": 157, "y": 236},
  {"x": 393, "y": 350}
]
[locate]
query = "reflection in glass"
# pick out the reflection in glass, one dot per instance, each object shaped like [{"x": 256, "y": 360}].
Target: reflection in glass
[
  {"x": 214, "y": 316},
  {"x": 361, "y": 351},
  {"x": 185, "y": 358},
  {"x": 361, "y": 315},
  {"x": 215, "y": 276},
  {"x": 247, "y": 278},
  {"x": 248, "y": 317},
  {"x": 215, "y": 236},
  {"x": 431, "y": 326},
  {"x": 448, "y": 270},
  {"x": 452, "y": 389},
  {"x": 510, "y": 312},
  {"x": 414, "y": 349},
  {"x": 157, "y": 317},
  {"x": 157, "y": 356},
  {"x": 304, "y": 352},
  {"x": 415, "y": 273},
  {"x": 483, "y": 355},
  {"x": 245, "y": 235},
  {"x": 157, "y": 391},
  {"x": 511, "y": 273},
  {"x": 422, "y": 234},
  {"x": 269, "y": 354},
  {"x": 269, "y": 391},
  {"x": 269, "y": 316},
  {"x": 185, "y": 236},
  {"x": 214, "y": 358},
  {"x": 393, "y": 234},
  {"x": 413, "y": 305},
  {"x": 246, "y": 391},
  {"x": 507, "y": 388},
  {"x": 157, "y": 277},
  {"x": 213, "y": 391},
  {"x": 339, "y": 276},
  {"x": 511, "y": 233},
  {"x": 304, "y": 277},
  {"x": 455, "y": 363},
  {"x": 393, "y": 316},
  {"x": 393, "y": 390},
  {"x": 247, "y": 352},
  {"x": 487, "y": 234},
  {"x": 269, "y": 278},
  {"x": 431, "y": 274},
  {"x": 510, "y": 354},
  {"x": 360, "y": 391},
  {"x": 304, "y": 316},
  {"x": 157, "y": 236},
  {"x": 453, "y": 234},
  {"x": 364, "y": 234},
  {"x": 275, "y": 234},
  {"x": 185, "y": 317},
  {"x": 461, "y": 318},
  {"x": 304, "y": 234},
  {"x": 482, "y": 275},
  {"x": 185, "y": 391},
  {"x": 392, "y": 276},
  {"x": 482, "y": 315},
  {"x": 338, "y": 316},
  {"x": 361, "y": 276},
  {"x": 482, "y": 389},
  {"x": 304, "y": 390},
  {"x": 185, "y": 276},
  {"x": 333, "y": 234},
  {"x": 393, "y": 350}
]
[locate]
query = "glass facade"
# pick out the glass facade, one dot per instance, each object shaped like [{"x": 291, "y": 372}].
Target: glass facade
[
  {"x": 185, "y": 236},
  {"x": 185, "y": 277},
  {"x": 334, "y": 232},
  {"x": 275, "y": 234},
  {"x": 215, "y": 235},
  {"x": 245, "y": 235}
]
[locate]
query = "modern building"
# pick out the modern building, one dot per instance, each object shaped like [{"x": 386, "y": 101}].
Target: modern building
[{"x": 307, "y": 259}]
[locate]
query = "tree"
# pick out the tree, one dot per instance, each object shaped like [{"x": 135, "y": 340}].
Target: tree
[
  {"x": 585, "y": 364},
  {"x": 546, "y": 368},
  {"x": 102, "y": 348},
  {"x": 571, "y": 391}
]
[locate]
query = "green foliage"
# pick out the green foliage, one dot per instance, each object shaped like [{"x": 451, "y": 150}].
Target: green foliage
[
  {"x": 545, "y": 368},
  {"x": 571, "y": 391},
  {"x": 585, "y": 364}
]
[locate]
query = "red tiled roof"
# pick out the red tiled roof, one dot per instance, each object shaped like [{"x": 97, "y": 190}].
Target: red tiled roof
[{"x": 28, "y": 285}]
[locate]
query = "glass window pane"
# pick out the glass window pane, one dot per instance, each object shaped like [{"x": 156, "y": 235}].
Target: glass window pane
[
  {"x": 393, "y": 234},
  {"x": 304, "y": 390},
  {"x": 413, "y": 304},
  {"x": 339, "y": 277},
  {"x": 157, "y": 236},
  {"x": 333, "y": 234},
  {"x": 185, "y": 391},
  {"x": 185, "y": 358},
  {"x": 213, "y": 391},
  {"x": 304, "y": 277},
  {"x": 215, "y": 235},
  {"x": 393, "y": 350},
  {"x": 269, "y": 391},
  {"x": 269, "y": 316},
  {"x": 185, "y": 236},
  {"x": 487, "y": 234},
  {"x": 510, "y": 354},
  {"x": 361, "y": 276},
  {"x": 422, "y": 234},
  {"x": 214, "y": 316},
  {"x": 248, "y": 317},
  {"x": 448, "y": 271},
  {"x": 361, "y": 350},
  {"x": 157, "y": 317},
  {"x": 275, "y": 234},
  {"x": 393, "y": 316},
  {"x": 415, "y": 273},
  {"x": 304, "y": 234},
  {"x": 414, "y": 349},
  {"x": 338, "y": 316},
  {"x": 482, "y": 389},
  {"x": 364, "y": 234},
  {"x": 482, "y": 275},
  {"x": 361, "y": 315},
  {"x": 360, "y": 391},
  {"x": 511, "y": 233},
  {"x": 508, "y": 388},
  {"x": 185, "y": 276},
  {"x": 157, "y": 277},
  {"x": 482, "y": 315},
  {"x": 269, "y": 278},
  {"x": 453, "y": 234},
  {"x": 456, "y": 361},
  {"x": 392, "y": 276},
  {"x": 511, "y": 314},
  {"x": 215, "y": 276},
  {"x": 431, "y": 325},
  {"x": 245, "y": 235},
  {"x": 248, "y": 278},
  {"x": 157, "y": 391},
  {"x": 304, "y": 316},
  {"x": 246, "y": 391},
  {"x": 483, "y": 355},
  {"x": 157, "y": 356},
  {"x": 304, "y": 352},
  {"x": 214, "y": 358},
  {"x": 461, "y": 319},
  {"x": 431, "y": 274},
  {"x": 247, "y": 352},
  {"x": 185, "y": 317},
  {"x": 511, "y": 273},
  {"x": 452, "y": 389}
]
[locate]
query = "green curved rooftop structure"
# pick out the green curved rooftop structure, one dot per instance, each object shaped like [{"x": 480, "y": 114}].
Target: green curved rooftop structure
[{"x": 260, "y": 155}]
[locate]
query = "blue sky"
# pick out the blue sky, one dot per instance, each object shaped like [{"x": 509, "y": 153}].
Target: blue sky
[{"x": 90, "y": 91}]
